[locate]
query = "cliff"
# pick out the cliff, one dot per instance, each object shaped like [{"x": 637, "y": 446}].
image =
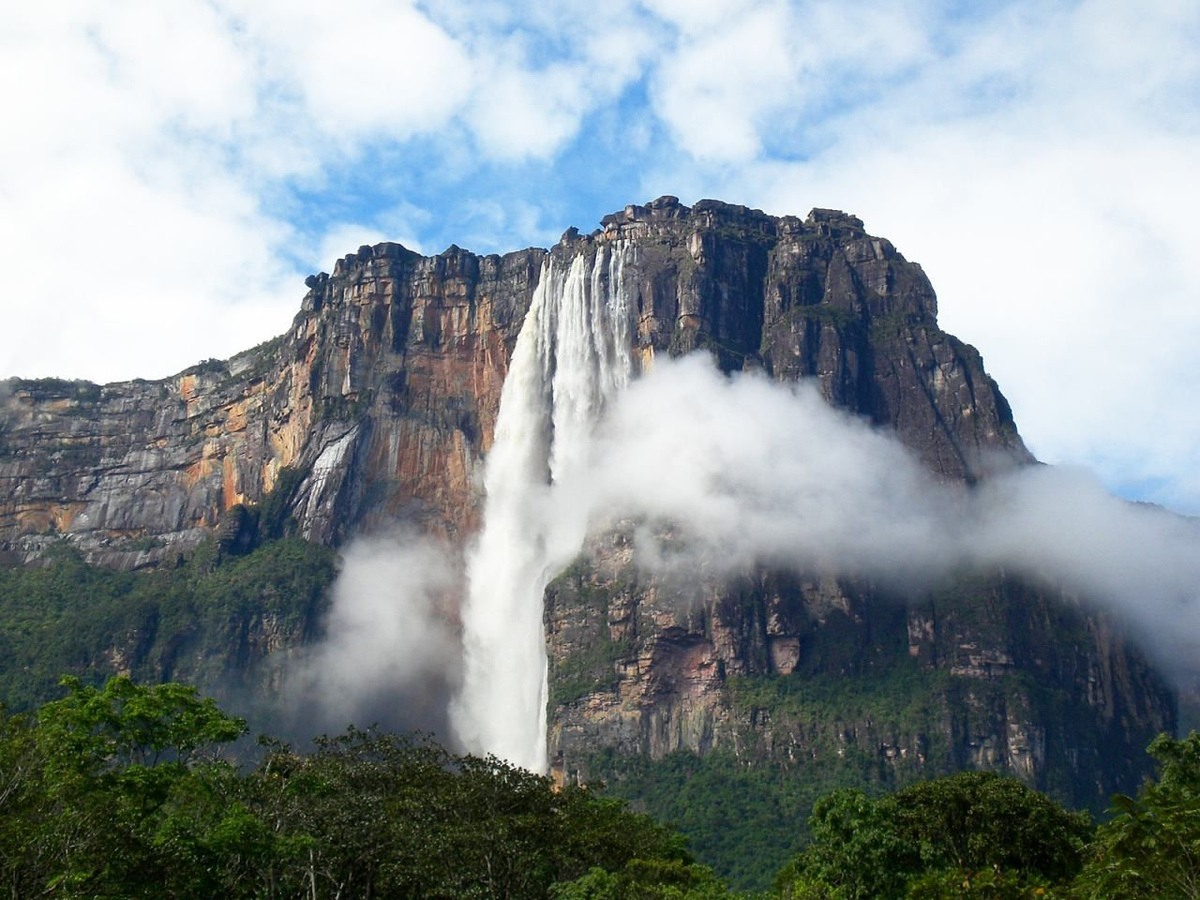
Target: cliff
[
  {"x": 380, "y": 402},
  {"x": 381, "y": 396},
  {"x": 384, "y": 391}
]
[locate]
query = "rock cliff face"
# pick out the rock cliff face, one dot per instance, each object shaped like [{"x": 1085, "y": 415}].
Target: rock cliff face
[
  {"x": 813, "y": 672},
  {"x": 382, "y": 396},
  {"x": 379, "y": 403}
]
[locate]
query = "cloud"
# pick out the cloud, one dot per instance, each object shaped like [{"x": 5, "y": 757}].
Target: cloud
[
  {"x": 170, "y": 177},
  {"x": 1037, "y": 161},
  {"x": 390, "y": 654},
  {"x": 742, "y": 78},
  {"x": 744, "y": 471},
  {"x": 750, "y": 471},
  {"x": 716, "y": 475},
  {"x": 363, "y": 69},
  {"x": 127, "y": 235},
  {"x": 157, "y": 185}
]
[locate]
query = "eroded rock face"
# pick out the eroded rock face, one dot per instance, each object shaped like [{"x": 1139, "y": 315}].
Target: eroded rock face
[
  {"x": 382, "y": 396},
  {"x": 381, "y": 400},
  {"x": 384, "y": 392},
  {"x": 804, "y": 670}
]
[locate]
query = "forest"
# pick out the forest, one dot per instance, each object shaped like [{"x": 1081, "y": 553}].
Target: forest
[{"x": 133, "y": 791}]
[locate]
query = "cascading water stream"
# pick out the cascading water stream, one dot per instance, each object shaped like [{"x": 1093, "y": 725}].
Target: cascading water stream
[{"x": 572, "y": 356}]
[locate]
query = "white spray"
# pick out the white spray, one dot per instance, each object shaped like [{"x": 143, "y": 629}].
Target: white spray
[{"x": 572, "y": 356}]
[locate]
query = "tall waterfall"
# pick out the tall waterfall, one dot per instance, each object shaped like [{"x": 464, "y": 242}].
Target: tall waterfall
[{"x": 572, "y": 355}]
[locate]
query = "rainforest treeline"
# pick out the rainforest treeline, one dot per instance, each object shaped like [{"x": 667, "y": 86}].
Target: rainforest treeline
[{"x": 124, "y": 791}]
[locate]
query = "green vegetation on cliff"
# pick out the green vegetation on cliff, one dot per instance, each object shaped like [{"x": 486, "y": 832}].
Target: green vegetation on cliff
[
  {"x": 211, "y": 619},
  {"x": 744, "y": 811},
  {"x": 744, "y": 821}
]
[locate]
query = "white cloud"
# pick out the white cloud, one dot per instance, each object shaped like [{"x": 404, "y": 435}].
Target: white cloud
[
  {"x": 715, "y": 91},
  {"x": 1041, "y": 169},
  {"x": 732, "y": 89},
  {"x": 716, "y": 475},
  {"x": 742, "y": 471},
  {"x": 363, "y": 68},
  {"x": 698, "y": 16},
  {"x": 142, "y": 141},
  {"x": 517, "y": 112},
  {"x": 542, "y": 70},
  {"x": 1038, "y": 159}
]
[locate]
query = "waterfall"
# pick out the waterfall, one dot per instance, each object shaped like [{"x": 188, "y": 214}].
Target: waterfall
[{"x": 574, "y": 353}]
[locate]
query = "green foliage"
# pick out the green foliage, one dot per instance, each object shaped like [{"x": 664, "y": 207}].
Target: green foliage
[
  {"x": 935, "y": 838},
  {"x": 823, "y": 313},
  {"x": 210, "y": 366},
  {"x": 855, "y": 852},
  {"x": 108, "y": 793},
  {"x": 592, "y": 666},
  {"x": 339, "y": 407},
  {"x": 1151, "y": 846},
  {"x": 745, "y": 815},
  {"x": 273, "y": 512},
  {"x": 984, "y": 884},
  {"x": 742, "y": 819},
  {"x": 592, "y": 669},
  {"x": 900, "y": 697},
  {"x": 127, "y": 724},
  {"x": 645, "y": 879},
  {"x": 978, "y": 819},
  {"x": 201, "y": 621},
  {"x": 895, "y": 324},
  {"x": 119, "y": 791},
  {"x": 93, "y": 778},
  {"x": 83, "y": 391},
  {"x": 261, "y": 358}
]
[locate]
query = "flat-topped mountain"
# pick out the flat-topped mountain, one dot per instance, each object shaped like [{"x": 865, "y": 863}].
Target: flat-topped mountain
[
  {"x": 383, "y": 394},
  {"x": 379, "y": 406}
]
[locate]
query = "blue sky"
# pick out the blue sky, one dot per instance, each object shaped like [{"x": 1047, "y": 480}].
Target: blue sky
[{"x": 171, "y": 172}]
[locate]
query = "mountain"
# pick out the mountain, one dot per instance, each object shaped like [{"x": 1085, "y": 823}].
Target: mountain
[{"x": 380, "y": 405}]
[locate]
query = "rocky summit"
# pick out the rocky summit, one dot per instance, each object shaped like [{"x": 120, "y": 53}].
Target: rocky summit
[{"x": 379, "y": 405}]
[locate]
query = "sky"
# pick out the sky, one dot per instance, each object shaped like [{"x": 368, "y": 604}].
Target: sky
[{"x": 170, "y": 173}]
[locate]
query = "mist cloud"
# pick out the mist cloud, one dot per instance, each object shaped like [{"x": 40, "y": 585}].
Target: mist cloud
[
  {"x": 740, "y": 471},
  {"x": 744, "y": 471},
  {"x": 391, "y": 654}
]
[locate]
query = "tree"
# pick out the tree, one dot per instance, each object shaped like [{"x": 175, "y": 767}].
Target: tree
[
  {"x": 1151, "y": 846},
  {"x": 372, "y": 814},
  {"x": 979, "y": 820},
  {"x": 974, "y": 830},
  {"x": 645, "y": 879},
  {"x": 96, "y": 774},
  {"x": 125, "y": 724},
  {"x": 855, "y": 852},
  {"x": 28, "y": 852},
  {"x": 120, "y": 792}
]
